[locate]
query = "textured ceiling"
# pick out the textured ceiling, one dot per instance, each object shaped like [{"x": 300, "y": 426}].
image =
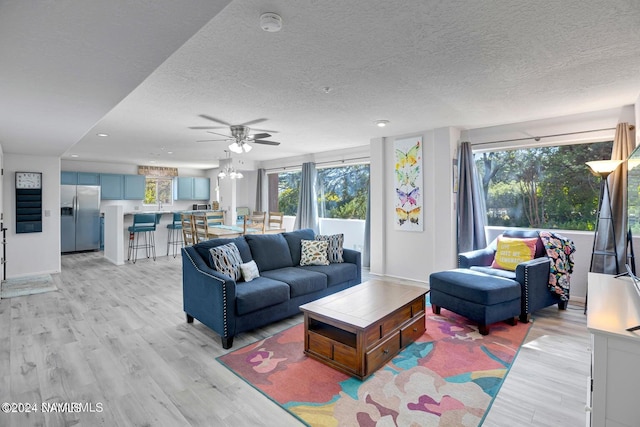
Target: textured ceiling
[{"x": 419, "y": 64}]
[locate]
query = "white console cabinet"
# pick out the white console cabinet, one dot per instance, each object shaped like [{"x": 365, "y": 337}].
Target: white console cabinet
[{"x": 614, "y": 306}]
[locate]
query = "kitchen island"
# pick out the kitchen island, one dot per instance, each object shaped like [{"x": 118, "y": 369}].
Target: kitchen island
[{"x": 116, "y": 234}]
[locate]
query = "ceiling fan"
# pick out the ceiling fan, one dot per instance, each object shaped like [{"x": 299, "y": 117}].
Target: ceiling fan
[{"x": 240, "y": 136}]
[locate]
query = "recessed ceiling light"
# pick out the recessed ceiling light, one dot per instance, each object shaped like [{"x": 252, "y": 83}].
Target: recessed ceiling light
[
  {"x": 152, "y": 161},
  {"x": 74, "y": 155},
  {"x": 102, "y": 134},
  {"x": 381, "y": 123},
  {"x": 169, "y": 152}
]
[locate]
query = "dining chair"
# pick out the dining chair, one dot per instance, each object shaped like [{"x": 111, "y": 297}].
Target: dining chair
[
  {"x": 254, "y": 223},
  {"x": 276, "y": 219},
  {"x": 187, "y": 229}
]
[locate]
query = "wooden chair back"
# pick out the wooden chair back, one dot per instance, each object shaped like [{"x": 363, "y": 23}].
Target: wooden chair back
[
  {"x": 254, "y": 223},
  {"x": 276, "y": 219},
  {"x": 199, "y": 223},
  {"x": 187, "y": 229}
]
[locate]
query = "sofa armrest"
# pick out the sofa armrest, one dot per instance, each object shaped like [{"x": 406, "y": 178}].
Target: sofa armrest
[
  {"x": 533, "y": 277},
  {"x": 354, "y": 257},
  {"x": 208, "y": 295},
  {"x": 480, "y": 257}
]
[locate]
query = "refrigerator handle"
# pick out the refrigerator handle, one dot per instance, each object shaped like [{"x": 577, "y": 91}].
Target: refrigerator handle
[{"x": 75, "y": 208}]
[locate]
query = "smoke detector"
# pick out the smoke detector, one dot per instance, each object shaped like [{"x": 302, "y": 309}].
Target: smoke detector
[{"x": 270, "y": 22}]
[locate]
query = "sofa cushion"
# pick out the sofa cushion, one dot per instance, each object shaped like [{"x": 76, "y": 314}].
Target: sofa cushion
[
  {"x": 334, "y": 250},
  {"x": 495, "y": 272},
  {"x": 512, "y": 251},
  {"x": 226, "y": 260},
  {"x": 314, "y": 252},
  {"x": 336, "y": 273},
  {"x": 301, "y": 282},
  {"x": 203, "y": 248},
  {"x": 259, "y": 293},
  {"x": 269, "y": 251},
  {"x": 294, "y": 238}
]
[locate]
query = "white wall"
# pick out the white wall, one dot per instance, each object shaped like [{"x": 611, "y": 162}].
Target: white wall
[
  {"x": 33, "y": 253},
  {"x": 406, "y": 254}
]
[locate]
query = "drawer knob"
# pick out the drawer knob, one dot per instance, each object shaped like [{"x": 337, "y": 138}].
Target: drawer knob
[
  {"x": 415, "y": 329},
  {"x": 386, "y": 351}
]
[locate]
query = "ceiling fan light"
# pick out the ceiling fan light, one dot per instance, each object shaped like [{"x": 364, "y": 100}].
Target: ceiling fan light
[
  {"x": 222, "y": 175},
  {"x": 235, "y": 147},
  {"x": 239, "y": 175},
  {"x": 246, "y": 147}
]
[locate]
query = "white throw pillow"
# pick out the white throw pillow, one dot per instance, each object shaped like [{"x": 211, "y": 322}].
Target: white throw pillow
[{"x": 249, "y": 271}]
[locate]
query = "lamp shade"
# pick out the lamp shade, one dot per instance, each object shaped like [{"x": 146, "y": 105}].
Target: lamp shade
[{"x": 603, "y": 168}]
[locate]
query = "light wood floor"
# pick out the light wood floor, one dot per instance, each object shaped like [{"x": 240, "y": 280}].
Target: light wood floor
[{"x": 116, "y": 336}]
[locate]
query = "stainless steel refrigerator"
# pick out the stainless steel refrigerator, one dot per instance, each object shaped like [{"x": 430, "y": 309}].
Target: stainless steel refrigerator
[{"x": 79, "y": 218}]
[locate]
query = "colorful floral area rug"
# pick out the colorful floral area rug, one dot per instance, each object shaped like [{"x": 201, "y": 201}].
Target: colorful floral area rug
[{"x": 448, "y": 377}]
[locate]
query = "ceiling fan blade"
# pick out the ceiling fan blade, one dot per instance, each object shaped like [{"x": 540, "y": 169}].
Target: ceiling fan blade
[
  {"x": 260, "y": 136},
  {"x": 253, "y": 122},
  {"x": 206, "y": 127},
  {"x": 221, "y": 134},
  {"x": 211, "y": 140},
  {"x": 213, "y": 119},
  {"x": 264, "y": 130},
  {"x": 262, "y": 141}
]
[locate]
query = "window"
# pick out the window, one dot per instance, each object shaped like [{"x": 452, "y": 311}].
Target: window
[
  {"x": 342, "y": 192},
  {"x": 158, "y": 191},
  {"x": 288, "y": 193},
  {"x": 542, "y": 187}
]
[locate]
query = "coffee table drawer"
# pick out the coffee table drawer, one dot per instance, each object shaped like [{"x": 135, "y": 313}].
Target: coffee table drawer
[
  {"x": 412, "y": 331},
  {"x": 320, "y": 344},
  {"x": 382, "y": 353},
  {"x": 345, "y": 355},
  {"x": 396, "y": 319}
]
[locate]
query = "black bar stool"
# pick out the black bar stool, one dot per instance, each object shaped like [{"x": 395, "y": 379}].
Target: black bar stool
[
  {"x": 144, "y": 224},
  {"x": 174, "y": 237}
]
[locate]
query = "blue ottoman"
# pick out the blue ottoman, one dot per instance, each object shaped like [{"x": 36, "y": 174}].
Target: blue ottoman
[{"x": 477, "y": 296}]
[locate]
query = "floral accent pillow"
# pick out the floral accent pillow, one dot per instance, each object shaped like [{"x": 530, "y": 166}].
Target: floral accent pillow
[
  {"x": 513, "y": 251},
  {"x": 249, "y": 271},
  {"x": 334, "y": 250},
  {"x": 314, "y": 252},
  {"x": 226, "y": 260}
]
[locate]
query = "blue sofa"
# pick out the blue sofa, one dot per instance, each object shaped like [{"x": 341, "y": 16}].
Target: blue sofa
[{"x": 229, "y": 307}]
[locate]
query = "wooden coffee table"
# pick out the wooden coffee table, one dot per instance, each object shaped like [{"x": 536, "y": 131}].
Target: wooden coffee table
[{"x": 358, "y": 330}]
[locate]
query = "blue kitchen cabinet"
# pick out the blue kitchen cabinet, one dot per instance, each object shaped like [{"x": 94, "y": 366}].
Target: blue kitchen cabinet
[
  {"x": 134, "y": 187},
  {"x": 68, "y": 178},
  {"x": 201, "y": 189},
  {"x": 112, "y": 186},
  {"x": 191, "y": 188},
  {"x": 88, "y": 178}
]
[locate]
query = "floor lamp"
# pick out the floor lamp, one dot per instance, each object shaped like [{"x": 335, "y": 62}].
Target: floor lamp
[{"x": 602, "y": 169}]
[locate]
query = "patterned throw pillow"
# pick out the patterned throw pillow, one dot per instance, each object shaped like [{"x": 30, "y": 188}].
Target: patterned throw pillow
[
  {"x": 334, "y": 250},
  {"x": 249, "y": 271},
  {"x": 314, "y": 252},
  {"x": 512, "y": 251},
  {"x": 226, "y": 260}
]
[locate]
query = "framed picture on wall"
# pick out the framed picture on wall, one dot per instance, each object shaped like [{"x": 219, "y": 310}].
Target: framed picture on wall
[{"x": 408, "y": 204}]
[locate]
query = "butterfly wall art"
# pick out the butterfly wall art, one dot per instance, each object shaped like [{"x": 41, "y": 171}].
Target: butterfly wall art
[{"x": 408, "y": 181}]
